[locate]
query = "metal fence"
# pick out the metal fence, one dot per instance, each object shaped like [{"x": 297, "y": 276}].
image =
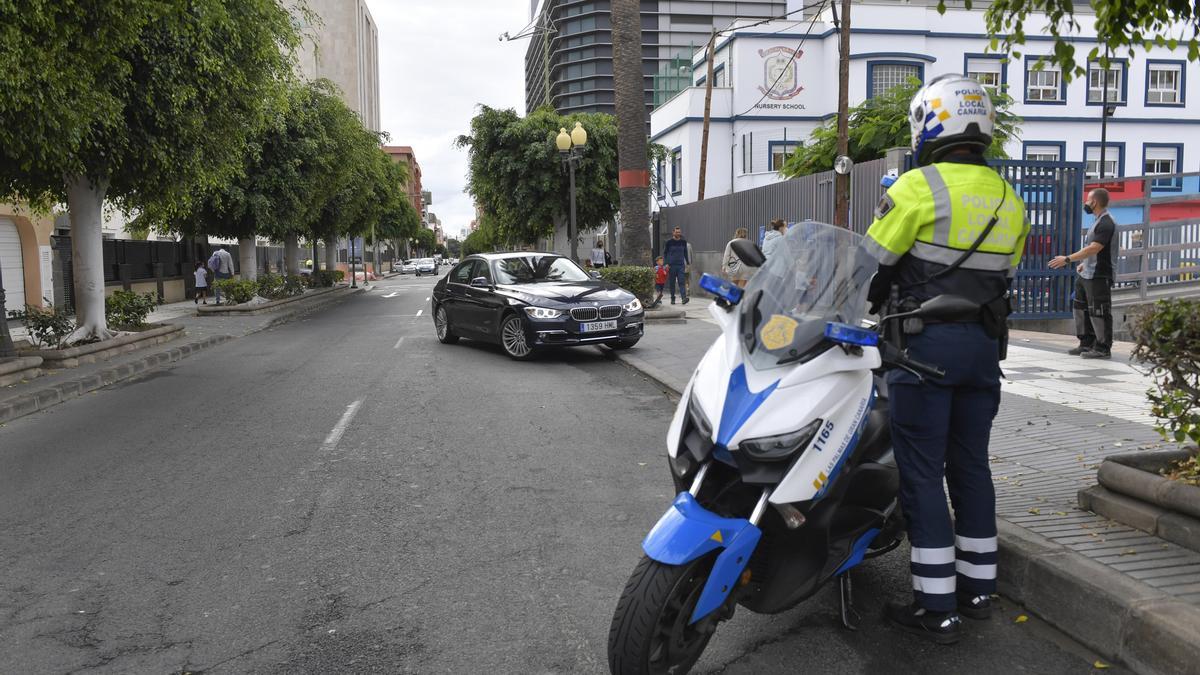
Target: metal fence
[{"x": 1158, "y": 226}]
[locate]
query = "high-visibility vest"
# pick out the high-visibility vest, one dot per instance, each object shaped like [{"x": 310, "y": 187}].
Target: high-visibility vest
[{"x": 932, "y": 215}]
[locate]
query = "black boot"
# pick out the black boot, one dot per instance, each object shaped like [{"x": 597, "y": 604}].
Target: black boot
[
  {"x": 944, "y": 628},
  {"x": 978, "y": 607}
]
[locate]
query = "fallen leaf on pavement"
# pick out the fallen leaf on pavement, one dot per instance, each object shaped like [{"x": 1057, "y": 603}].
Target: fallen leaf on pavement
[
  {"x": 1060, "y": 513},
  {"x": 1036, "y": 512},
  {"x": 1021, "y": 619},
  {"x": 1129, "y": 552},
  {"x": 1100, "y": 665}
]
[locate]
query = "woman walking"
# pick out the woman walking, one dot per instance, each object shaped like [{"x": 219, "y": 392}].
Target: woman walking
[
  {"x": 773, "y": 237},
  {"x": 735, "y": 270}
]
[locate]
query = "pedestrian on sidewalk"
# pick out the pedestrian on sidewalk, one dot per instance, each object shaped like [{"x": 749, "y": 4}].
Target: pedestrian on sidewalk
[
  {"x": 201, "y": 273},
  {"x": 221, "y": 263},
  {"x": 927, "y": 245},
  {"x": 735, "y": 270},
  {"x": 599, "y": 255},
  {"x": 1092, "y": 305},
  {"x": 773, "y": 237},
  {"x": 660, "y": 280},
  {"x": 677, "y": 255}
]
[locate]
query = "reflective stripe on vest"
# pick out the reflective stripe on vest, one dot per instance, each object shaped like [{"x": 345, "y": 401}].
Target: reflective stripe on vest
[
  {"x": 989, "y": 262},
  {"x": 942, "y": 217},
  {"x": 940, "y": 250}
]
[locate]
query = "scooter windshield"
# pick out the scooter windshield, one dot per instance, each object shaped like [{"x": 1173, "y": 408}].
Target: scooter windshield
[{"x": 817, "y": 273}]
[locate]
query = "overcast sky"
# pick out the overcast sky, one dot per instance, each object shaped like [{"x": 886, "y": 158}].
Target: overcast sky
[{"x": 438, "y": 59}]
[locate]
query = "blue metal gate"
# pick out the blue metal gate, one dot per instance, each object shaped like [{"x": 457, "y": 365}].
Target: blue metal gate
[{"x": 1053, "y": 194}]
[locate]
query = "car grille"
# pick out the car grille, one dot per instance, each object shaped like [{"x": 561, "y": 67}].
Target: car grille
[
  {"x": 610, "y": 312},
  {"x": 585, "y": 313}
]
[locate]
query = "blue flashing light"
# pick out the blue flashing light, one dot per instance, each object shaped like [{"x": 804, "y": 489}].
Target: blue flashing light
[
  {"x": 851, "y": 335},
  {"x": 721, "y": 288}
]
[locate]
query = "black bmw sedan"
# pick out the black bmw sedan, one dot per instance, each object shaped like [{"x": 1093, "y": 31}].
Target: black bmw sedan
[{"x": 525, "y": 301}]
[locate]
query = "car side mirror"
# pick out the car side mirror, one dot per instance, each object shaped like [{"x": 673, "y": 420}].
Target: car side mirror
[
  {"x": 748, "y": 252},
  {"x": 594, "y": 274},
  {"x": 947, "y": 307},
  {"x": 480, "y": 282}
]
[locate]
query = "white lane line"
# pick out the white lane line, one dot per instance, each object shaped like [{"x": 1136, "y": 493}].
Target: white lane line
[
  {"x": 420, "y": 312},
  {"x": 335, "y": 436},
  {"x": 426, "y": 299},
  {"x": 398, "y": 343},
  {"x": 392, "y": 294}
]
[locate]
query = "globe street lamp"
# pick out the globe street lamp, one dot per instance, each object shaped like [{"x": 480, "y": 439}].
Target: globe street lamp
[{"x": 570, "y": 148}]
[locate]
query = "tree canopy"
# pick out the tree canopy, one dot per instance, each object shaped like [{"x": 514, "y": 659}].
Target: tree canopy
[
  {"x": 516, "y": 174},
  {"x": 1121, "y": 26},
  {"x": 880, "y": 123}
]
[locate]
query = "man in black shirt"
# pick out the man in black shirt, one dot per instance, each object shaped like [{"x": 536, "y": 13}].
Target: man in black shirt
[{"x": 1093, "y": 288}]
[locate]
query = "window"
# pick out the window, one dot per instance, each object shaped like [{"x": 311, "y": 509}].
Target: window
[
  {"x": 462, "y": 273},
  {"x": 1043, "y": 86},
  {"x": 1043, "y": 153},
  {"x": 987, "y": 71},
  {"x": 538, "y": 268},
  {"x": 677, "y": 171},
  {"x": 780, "y": 151},
  {"x": 1160, "y": 159},
  {"x": 1164, "y": 83},
  {"x": 581, "y": 9},
  {"x": 719, "y": 76},
  {"x": 481, "y": 269},
  {"x": 1115, "y": 83},
  {"x": 579, "y": 100},
  {"x": 579, "y": 70},
  {"x": 579, "y": 25},
  {"x": 882, "y": 77},
  {"x": 660, "y": 177},
  {"x": 1112, "y": 160}
]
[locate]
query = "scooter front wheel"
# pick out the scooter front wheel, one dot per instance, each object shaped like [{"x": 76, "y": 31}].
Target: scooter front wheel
[{"x": 651, "y": 633}]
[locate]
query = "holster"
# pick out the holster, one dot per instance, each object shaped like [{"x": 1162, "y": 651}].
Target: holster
[
  {"x": 994, "y": 317},
  {"x": 913, "y": 325}
]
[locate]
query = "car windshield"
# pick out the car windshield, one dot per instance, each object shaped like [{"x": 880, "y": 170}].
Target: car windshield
[
  {"x": 818, "y": 273},
  {"x": 538, "y": 268},
  {"x": 426, "y": 261}
]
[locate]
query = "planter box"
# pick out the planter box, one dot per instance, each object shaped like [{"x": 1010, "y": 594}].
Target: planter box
[
  {"x": 102, "y": 351},
  {"x": 1132, "y": 492},
  {"x": 19, "y": 369},
  {"x": 247, "y": 309}
]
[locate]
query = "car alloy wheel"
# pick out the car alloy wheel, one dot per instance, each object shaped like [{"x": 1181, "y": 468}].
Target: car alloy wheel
[{"x": 512, "y": 336}]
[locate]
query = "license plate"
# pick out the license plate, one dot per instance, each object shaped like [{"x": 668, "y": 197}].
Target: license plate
[{"x": 597, "y": 326}]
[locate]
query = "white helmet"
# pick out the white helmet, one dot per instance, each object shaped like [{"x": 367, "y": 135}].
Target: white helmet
[{"x": 952, "y": 111}]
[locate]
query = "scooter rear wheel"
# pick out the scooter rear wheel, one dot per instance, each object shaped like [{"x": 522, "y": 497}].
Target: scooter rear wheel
[{"x": 650, "y": 633}]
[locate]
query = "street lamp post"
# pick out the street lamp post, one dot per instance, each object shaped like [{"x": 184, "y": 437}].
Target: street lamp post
[{"x": 570, "y": 147}]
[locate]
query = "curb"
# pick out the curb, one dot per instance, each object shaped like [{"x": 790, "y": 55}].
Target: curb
[
  {"x": 34, "y": 401},
  {"x": 1122, "y": 619},
  {"x": 1173, "y": 526}
]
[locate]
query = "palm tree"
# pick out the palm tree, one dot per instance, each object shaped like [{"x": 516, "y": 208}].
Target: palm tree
[{"x": 634, "y": 178}]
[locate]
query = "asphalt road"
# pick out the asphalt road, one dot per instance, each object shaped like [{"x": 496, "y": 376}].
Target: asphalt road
[{"x": 344, "y": 494}]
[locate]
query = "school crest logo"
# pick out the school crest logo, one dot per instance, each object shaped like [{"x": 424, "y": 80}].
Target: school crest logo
[{"x": 781, "y": 73}]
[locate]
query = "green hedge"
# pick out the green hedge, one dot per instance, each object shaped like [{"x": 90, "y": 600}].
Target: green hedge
[
  {"x": 237, "y": 291},
  {"x": 1168, "y": 343},
  {"x": 636, "y": 280},
  {"x": 326, "y": 278},
  {"x": 276, "y": 287},
  {"x": 127, "y": 310}
]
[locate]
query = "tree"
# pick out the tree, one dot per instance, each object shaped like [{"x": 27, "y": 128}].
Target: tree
[
  {"x": 629, "y": 84},
  {"x": 425, "y": 241},
  {"x": 454, "y": 247},
  {"x": 482, "y": 240},
  {"x": 516, "y": 174},
  {"x": 134, "y": 102},
  {"x": 881, "y": 123},
  {"x": 1121, "y": 26}
]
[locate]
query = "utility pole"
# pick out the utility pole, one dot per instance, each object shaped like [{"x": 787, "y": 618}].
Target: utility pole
[
  {"x": 841, "y": 185},
  {"x": 708, "y": 87}
]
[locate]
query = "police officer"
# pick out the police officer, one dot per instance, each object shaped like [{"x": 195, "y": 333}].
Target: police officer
[{"x": 953, "y": 226}]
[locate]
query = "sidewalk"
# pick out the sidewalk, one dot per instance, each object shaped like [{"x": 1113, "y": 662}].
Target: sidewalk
[
  {"x": 1059, "y": 417},
  {"x": 200, "y": 333}
]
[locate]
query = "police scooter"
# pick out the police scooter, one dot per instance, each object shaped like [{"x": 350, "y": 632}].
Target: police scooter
[{"x": 779, "y": 450}]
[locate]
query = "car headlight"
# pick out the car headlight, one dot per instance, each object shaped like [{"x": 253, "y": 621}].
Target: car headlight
[
  {"x": 778, "y": 448},
  {"x": 633, "y": 306},
  {"x": 543, "y": 313}
]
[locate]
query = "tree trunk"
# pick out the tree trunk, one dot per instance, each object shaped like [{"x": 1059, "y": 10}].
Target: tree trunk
[
  {"x": 632, "y": 163},
  {"x": 85, "y": 201},
  {"x": 331, "y": 253},
  {"x": 291, "y": 254},
  {"x": 248, "y": 258}
]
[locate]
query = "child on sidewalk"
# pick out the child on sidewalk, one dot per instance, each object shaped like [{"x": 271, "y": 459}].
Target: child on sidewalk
[
  {"x": 201, "y": 282},
  {"x": 660, "y": 280}
]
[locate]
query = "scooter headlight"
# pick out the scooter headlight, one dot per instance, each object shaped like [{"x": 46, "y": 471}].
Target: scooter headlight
[
  {"x": 778, "y": 448},
  {"x": 699, "y": 418}
]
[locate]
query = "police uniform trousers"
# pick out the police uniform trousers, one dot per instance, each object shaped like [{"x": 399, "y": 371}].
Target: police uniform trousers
[{"x": 940, "y": 429}]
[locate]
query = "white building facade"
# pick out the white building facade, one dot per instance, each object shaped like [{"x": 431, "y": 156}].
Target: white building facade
[{"x": 775, "y": 83}]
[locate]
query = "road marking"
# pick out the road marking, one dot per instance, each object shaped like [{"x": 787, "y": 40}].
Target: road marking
[
  {"x": 420, "y": 312},
  {"x": 398, "y": 343},
  {"x": 392, "y": 294},
  {"x": 335, "y": 435},
  {"x": 426, "y": 299}
]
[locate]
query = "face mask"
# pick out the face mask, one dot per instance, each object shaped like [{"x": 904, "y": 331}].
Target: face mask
[{"x": 1087, "y": 208}]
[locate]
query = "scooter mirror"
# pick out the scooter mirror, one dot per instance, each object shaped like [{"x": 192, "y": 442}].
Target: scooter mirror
[
  {"x": 947, "y": 307},
  {"x": 748, "y": 252}
]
